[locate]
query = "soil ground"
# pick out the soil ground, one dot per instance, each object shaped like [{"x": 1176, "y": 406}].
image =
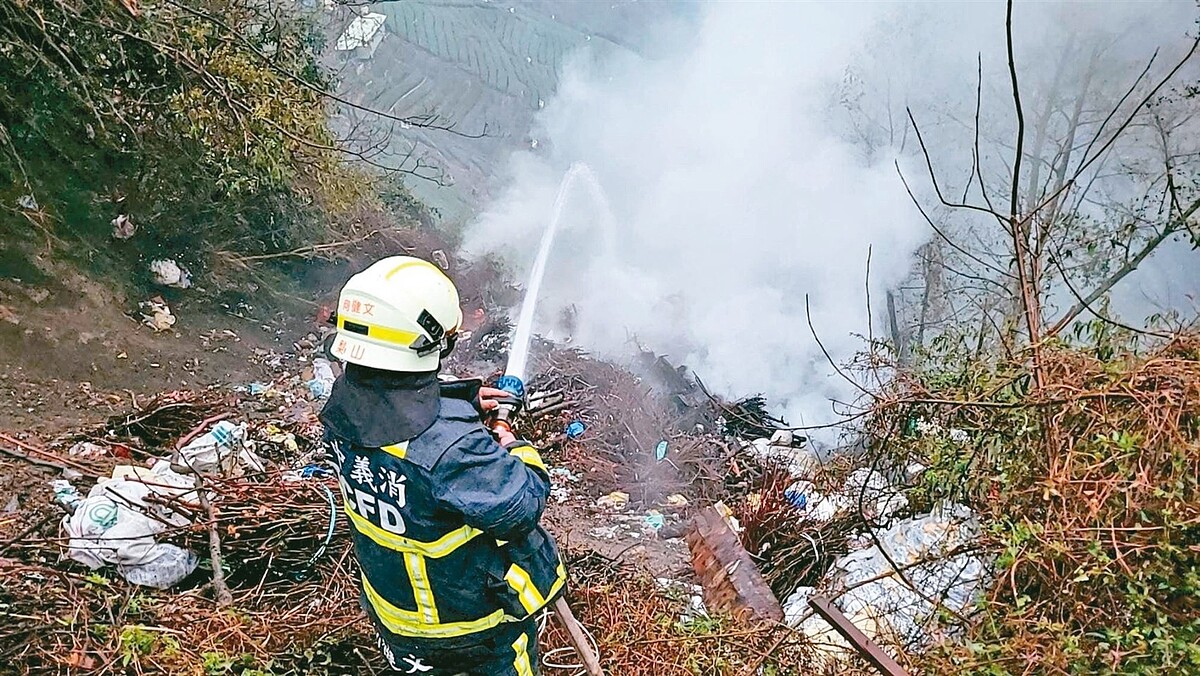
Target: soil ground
[{"x": 73, "y": 353}]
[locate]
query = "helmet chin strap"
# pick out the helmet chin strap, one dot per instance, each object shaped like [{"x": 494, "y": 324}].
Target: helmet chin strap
[{"x": 450, "y": 341}]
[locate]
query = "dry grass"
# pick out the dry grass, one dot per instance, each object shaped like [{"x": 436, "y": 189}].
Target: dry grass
[{"x": 1090, "y": 489}]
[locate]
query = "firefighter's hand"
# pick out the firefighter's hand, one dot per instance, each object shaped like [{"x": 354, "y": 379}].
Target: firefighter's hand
[
  {"x": 504, "y": 436},
  {"x": 488, "y": 397}
]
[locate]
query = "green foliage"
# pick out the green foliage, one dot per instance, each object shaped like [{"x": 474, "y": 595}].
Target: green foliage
[
  {"x": 138, "y": 603},
  {"x": 218, "y": 663},
  {"x": 136, "y": 642},
  {"x": 204, "y": 122},
  {"x": 96, "y": 580},
  {"x": 1103, "y": 338}
]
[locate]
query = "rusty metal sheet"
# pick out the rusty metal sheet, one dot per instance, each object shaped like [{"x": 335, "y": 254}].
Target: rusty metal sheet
[
  {"x": 729, "y": 578},
  {"x": 870, "y": 650}
]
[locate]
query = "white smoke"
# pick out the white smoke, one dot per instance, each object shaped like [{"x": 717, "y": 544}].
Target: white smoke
[
  {"x": 731, "y": 200},
  {"x": 732, "y": 189}
]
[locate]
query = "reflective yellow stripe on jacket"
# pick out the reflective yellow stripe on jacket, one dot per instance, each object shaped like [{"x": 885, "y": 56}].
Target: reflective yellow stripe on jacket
[
  {"x": 399, "y": 450},
  {"x": 532, "y": 599},
  {"x": 529, "y": 456},
  {"x": 434, "y": 550},
  {"x": 521, "y": 663},
  {"x": 422, "y": 591},
  {"x": 412, "y": 623}
]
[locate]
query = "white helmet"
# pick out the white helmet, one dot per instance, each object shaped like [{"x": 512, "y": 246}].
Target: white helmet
[{"x": 400, "y": 314}]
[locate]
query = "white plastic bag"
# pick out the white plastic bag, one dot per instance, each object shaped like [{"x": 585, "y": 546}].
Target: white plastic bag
[
  {"x": 219, "y": 450},
  {"x": 166, "y": 272},
  {"x": 321, "y": 384},
  {"x": 116, "y": 524},
  {"x": 882, "y": 604}
]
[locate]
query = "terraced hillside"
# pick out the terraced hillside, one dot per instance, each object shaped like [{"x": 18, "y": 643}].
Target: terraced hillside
[{"x": 481, "y": 66}]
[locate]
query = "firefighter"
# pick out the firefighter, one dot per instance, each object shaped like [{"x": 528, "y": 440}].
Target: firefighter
[{"x": 454, "y": 563}]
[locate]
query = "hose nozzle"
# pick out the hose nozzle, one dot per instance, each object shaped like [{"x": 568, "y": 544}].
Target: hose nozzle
[{"x": 509, "y": 406}]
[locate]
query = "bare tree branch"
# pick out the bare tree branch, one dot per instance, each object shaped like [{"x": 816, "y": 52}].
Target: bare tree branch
[
  {"x": 933, "y": 177},
  {"x": 1179, "y": 223},
  {"x": 941, "y": 234}
]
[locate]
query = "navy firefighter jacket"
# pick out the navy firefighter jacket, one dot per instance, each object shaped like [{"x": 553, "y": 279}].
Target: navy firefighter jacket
[{"x": 446, "y": 525}]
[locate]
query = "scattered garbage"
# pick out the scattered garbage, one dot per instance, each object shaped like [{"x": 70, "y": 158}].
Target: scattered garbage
[
  {"x": 727, "y": 514},
  {"x": 879, "y": 601},
  {"x": 439, "y": 258},
  {"x": 271, "y": 527},
  {"x": 660, "y": 451},
  {"x": 616, "y": 501},
  {"x": 28, "y": 202},
  {"x": 815, "y": 505},
  {"x": 934, "y": 429},
  {"x": 692, "y": 592},
  {"x": 575, "y": 429},
  {"x": 796, "y": 496},
  {"x": 167, "y": 272},
  {"x": 223, "y": 449},
  {"x": 878, "y": 497},
  {"x": 563, "y": 474},
  {"x": 66, "y": 494},
  {"x": 605, "y": 532},
  {"x": 560, "y": 477},
  {"x": 655, "y": 520},
  {"x": 796, "y": 610},
  {"x": 123, "y": 227},
  {"x": 677, "y": 501},
  {"x": 281, "y": 438},
  {"x": 780, "y": 450},
  {"x": 315, "y": 471},
  {"x": 156, "y": 314},
  {"x": 118, "y": 520},
  {"x": 321, "y": 384},
  {"x": 88, "y": 449}
]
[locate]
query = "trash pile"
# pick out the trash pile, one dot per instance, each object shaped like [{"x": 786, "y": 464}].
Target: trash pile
[
  {"x": 117, "y": 524},
  {"x": 194, "y": 501},
  {"x": 638, "y": 440},
  {"x": 225, "y": 514},
  {"x": 157, "y": 501},
  {"x": 152, "y": 521},
  {"x": 835, "y": 529},
  {"x": 894, "y": 586}
]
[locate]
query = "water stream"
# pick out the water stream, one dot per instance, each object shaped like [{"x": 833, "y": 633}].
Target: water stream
[{"x": 518, "y": 355}]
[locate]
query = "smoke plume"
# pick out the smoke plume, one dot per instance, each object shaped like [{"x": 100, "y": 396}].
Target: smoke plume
[
  {"x": 731, "y": 201},
  {"x": 720, "y": 193}
]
